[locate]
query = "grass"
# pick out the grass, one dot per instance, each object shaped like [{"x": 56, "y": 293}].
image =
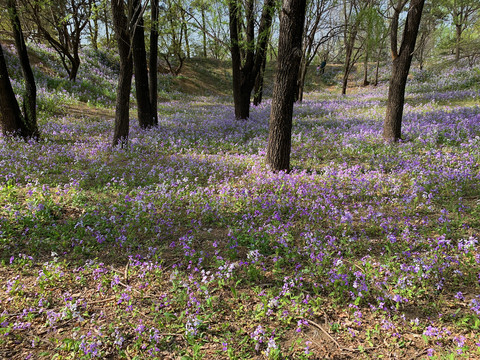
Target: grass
[{"x": 184, "y": 245}]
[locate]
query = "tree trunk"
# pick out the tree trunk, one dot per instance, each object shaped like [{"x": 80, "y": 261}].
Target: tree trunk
[
  {"x": 153, "y": 61},
  {"x": 10, "y": 115},
  {"x": 75, "y": 62},
  {"x": 376, "y": 72},
  {"x": 258, "y": 87},
  {"x": 105, "y": 23},
  {"x": 301, "y": 79},
  {"x": 289, "y": 56},
  {"x": 204, "y": 33},
  {"x": 185, "y": 35},
  {"x": 30, "y": 96},
  {"x": 345, "y": 80},
  {"x": 458, "y": 28},
  {"x": 400, "y": 69},
  {"x": 145, "y": 117},
  {"x": 365, "y": 68},
  {"x": 241, "y": 100},
  {"x": 122, "y": 104},
  {"x": 94, "y": 29},
  {"x": 13, "y": 121}
]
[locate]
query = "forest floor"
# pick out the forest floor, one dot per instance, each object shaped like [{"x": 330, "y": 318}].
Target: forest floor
[{"x": 185, "y": 246}]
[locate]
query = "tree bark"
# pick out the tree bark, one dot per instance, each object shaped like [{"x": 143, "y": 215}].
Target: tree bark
[
  {"x": 29, "y": 105},
  {"x": 204, "y": 33},
  {"x": 458, "y": 31},
  {"x": 122, "y": 104},
  {"x": 349, "y": 44},
  {"x": 302, "y": 72},
  {"x": 289, "y": 55},
  {"x": 13, "y": 121},
  {"x": 145, "y": 117},
  {"x": 365, "y": 67},
  {"x": 153, "y": 61},
  {"x": 400, "y": 69},
  {"x": 10, "y": 111},
  {"x": 258, "y": 87}
]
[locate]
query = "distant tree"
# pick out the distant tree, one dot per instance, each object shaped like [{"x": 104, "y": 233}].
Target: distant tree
[
  {"x": 258, "y": 85},
  {"x": 202, "y": 6},
  {"x": 172, "y": 31},
  {"x": 211, "y": 20},
  {"x": 146, "y": 118},
  {"x": 13, "y": 121},
  {"x": 463, "y": 14},
  {"x": 99, "y": 23},
  {"x": 402, "y": 58},
  {"x": 121, "y": 23},
  {"x": 153, "y": 60},
  {"x": 351, "y": 28},
  {"x": 320, "y": 27},
  {"x": 247, "y": 54},
  {"x": 426, "y": 33},
  {"x": 373, "y": 30},
  {"x": 93, "y": 27},
  {"x": 61, "y": 23},
  {"x": 292, "y": 18}
]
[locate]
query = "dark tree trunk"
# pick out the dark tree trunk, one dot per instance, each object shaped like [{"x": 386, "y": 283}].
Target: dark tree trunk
[
  {"x": 204, "y": 33},
  {"x": 145, "y": 116},
  {"x": 377, "y": 68},
  {"x": 153, "y": 61},
  {"x": 458, "y": 32},
  {"x": 400, "y": 68},
  {"x": 122, "y": 104},
  {"x": 13, "y": 121},
  {"x": 246, "y": 68},
  {"x": 258, "y": 87},
  {"x": 10, "y": 116},
  {"x": 105, "y": 23},
  {"x": 241, "y": 100},
  {"x": 289, "y": 55},
  {"x": 348, "y": 62},
  {"x": 75, "y": 65},
  {"x": 365, "y": 67},
  {"x": 30, "y": 96},
  {"x": 302, "y": 72}
]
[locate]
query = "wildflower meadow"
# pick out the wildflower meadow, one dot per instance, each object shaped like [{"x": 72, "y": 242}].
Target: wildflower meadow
[{"x": 183, "y": 245}]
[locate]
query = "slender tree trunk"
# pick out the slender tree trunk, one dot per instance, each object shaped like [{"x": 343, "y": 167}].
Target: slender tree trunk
[
  {"x": 365, "y": 68},
  {"x": 289, "y": 56},
  {"x": 153, "y": 61},
  {"x": 458, "y": 28},
  {"x": 185, "y": 35},
  {"x": 204, "y": 33},
  {"x": 14, "y": 122},
  {"x": 400, "y": 69},
  {"x": 94, "y": 30},
  {"x": 30, "y": 96},
  {"x": 301, "y": 79},
  {"x": 145, "y": 117},
  {"x": 348, "y": 61},
  {"x": 258, "y": 87},
  {"x": 376, "y": 71},
  {"x": 122, "y": 104},
  {"x": 346, "y": 73},
  {"x": 105, "y": 22}
]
